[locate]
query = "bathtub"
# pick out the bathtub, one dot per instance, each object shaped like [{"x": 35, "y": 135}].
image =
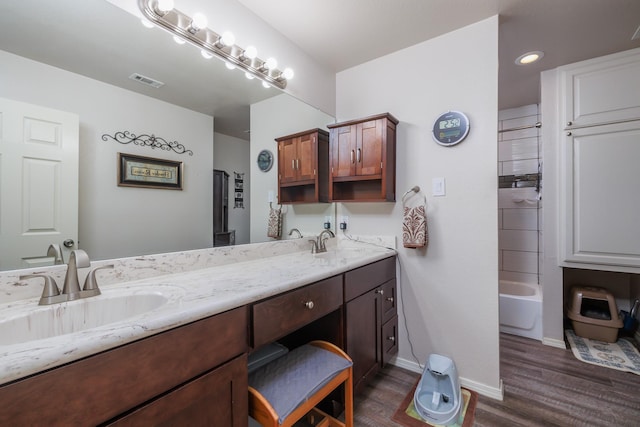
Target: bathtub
[{"x": 521, "y": 309}]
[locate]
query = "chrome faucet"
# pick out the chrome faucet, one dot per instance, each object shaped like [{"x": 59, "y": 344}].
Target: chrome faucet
[
  {"x": 71, "y": 290},
  {"x": 295, "y": 230}
]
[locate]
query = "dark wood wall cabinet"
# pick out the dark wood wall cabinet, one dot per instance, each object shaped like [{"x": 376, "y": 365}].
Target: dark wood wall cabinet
[
  {"x": 196, "y": 374},
  {"x": 363, "y": 159},
  {"x": 303, "y": 164}
]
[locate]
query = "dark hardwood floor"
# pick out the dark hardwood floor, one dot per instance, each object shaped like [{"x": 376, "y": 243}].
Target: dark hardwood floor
[{"x": 543, "y": 386}]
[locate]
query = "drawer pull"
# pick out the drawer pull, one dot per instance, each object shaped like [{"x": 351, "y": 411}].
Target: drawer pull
[
  {"x": 309, "y": 304},
  {"x": 380, "y": 291},
  {"x": 391, "y": 338},
  {"x": 390, "y": 299}
]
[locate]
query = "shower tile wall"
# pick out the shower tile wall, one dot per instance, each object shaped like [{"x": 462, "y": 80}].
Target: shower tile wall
[{"x": 519, "y": 210}]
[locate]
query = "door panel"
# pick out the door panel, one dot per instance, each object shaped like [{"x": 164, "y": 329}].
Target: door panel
[
  {"x": 369, "y": 154},
  {"x": 343, "y": 152},
  {"x": 307, "y": 157},
  {"x": 38, "y": 182}
]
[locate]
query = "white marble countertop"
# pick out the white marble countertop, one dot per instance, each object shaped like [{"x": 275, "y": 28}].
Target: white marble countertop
[{"x": 194, "y": 295}]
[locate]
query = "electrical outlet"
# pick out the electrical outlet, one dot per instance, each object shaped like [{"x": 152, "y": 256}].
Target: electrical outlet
[{"x": 344, "y": 222}]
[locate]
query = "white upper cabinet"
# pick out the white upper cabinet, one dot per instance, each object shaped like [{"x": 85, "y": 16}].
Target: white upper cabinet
[
  {"x": 597, "y": 144},
  {"x": 601, "y": 90}
]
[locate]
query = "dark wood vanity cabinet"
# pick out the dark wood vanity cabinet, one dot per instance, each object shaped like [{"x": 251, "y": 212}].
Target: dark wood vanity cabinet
[
  {"x": 189, "y": 375},
  {"x": 370, "y": 319},
  {"x": 303, "y": 164},
  {"x": 362, "y": 159}
]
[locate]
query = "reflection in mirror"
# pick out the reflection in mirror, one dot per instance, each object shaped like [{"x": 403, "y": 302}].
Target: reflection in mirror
[{"x": 198, "y": 106}]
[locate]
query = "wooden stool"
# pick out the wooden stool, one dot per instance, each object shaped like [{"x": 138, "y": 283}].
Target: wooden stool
[{"x": 288, "y": 389}]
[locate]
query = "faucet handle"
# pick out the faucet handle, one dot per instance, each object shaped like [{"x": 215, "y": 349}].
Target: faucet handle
[
  {"x": 314, "y": 246},
  {"x": 50, "y": 292},
  {"x": 90, "y": 287}
]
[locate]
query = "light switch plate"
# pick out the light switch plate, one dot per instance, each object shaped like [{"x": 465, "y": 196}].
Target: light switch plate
[{"x": 438, "y": 187}]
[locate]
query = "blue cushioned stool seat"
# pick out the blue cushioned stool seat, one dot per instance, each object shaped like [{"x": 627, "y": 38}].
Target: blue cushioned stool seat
[{"x": 291, "y": 380}]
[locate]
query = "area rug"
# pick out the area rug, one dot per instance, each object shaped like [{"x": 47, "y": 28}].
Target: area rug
[
  {"x": 621, "y": 355},
  {"x": 406, "y": 414}
]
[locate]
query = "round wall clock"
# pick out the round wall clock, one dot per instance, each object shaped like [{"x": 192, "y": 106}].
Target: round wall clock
[
  {"x": 265, "y": 160},
  {"x": 450, "y": 128}
]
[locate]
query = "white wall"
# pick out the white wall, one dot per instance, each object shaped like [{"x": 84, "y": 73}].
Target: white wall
[
  {"x": 232, "y": 155},
  {"x": 450, "y": 290},
  {"x": 120, "y": 221},
  {"x": 275, "y": 117}
]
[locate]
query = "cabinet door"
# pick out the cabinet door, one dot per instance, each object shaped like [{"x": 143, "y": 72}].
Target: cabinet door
[
  {"x": 602, "y": 90},
  {"x": 369, "y": 147},
  {"x": 363, "y": 337},
  {"x": 287, "y": 156},
  {"x": 306, "y": 157},
  {"x": 343, "y": 151},
  {"x": 600, "y": 197},
  {"x": 218, "y": 398}
]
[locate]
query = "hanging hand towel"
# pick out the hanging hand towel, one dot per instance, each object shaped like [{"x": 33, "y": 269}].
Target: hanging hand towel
[
  {"x": 414, "y": 227},
  {"x": 274, "y": 226}
]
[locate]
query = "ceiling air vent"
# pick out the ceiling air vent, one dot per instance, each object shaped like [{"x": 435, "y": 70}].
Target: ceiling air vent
[{"x": 146, "y": 80}]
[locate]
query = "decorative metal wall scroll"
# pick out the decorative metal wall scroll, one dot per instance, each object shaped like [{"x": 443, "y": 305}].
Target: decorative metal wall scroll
[
  {"x": 239, "y": 190},
  {"x": 144, "y": 140}
]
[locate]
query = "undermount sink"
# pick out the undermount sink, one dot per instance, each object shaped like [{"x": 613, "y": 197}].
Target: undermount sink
[{"x": 21, "y": 323}]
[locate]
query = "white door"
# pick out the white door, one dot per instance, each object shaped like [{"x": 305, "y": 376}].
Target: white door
[{"x": 38, "y": 183}]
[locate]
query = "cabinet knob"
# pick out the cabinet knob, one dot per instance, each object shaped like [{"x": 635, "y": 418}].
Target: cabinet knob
[
  {"x": 380, "y": 291},
  {"x": 391, "y": 338},
  {"x": 309, "y": 304},
  {"x": 390, "y": 299},
  {"x": 569, "y": 123},
  {"x": 352, "y": 156},
  {"x": 569, "y": 134},
  {"x": 293, "y": 163},
  {"x": 359, "y": 156}
]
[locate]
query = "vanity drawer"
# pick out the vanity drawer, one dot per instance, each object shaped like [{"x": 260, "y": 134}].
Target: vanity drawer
[
  {"x": 278, "y": 316},
  {"x": 363, "y": 279},
  {"x": 389, "y": 339}
]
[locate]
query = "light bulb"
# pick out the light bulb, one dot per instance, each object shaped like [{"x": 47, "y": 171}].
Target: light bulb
[
  {"x": 147, "y": 23},
  {"x": 199, "y": 21},
  {"x": 287, "y": 73},
  {"x": 229, "y": 65},
  {"x": 227, "y": 38},
  {"x": 265, "y": 85},
  {"x": 178, "y": 40},
  {"x": 164, "y": 6},
  {"x": 250, "y": 52},
  {"x": 248, "y": 75},
  {"x": 205, "y": 54},
  {"x": 271, "y": 63}
]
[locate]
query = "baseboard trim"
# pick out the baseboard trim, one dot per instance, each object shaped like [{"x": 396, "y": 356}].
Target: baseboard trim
[
  {"x": 552, "y": 342},
  {"x": 480, "y": 388}
]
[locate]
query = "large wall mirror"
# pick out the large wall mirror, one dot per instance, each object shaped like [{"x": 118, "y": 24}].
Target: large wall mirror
[{"x": 77, "y": 57}]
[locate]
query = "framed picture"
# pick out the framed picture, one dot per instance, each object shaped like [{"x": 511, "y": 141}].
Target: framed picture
[{"x": 138, "y": 171}]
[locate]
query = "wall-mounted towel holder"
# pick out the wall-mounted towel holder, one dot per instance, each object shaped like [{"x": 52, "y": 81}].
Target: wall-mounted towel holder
[{"x": 415, "y": 189}]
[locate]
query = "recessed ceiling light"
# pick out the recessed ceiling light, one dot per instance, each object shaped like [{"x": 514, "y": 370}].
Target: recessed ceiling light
[{"x": 529, "y": 57}]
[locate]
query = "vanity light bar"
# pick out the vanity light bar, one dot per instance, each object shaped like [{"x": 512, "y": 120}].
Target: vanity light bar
[{"x": 180, "y": 25}]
